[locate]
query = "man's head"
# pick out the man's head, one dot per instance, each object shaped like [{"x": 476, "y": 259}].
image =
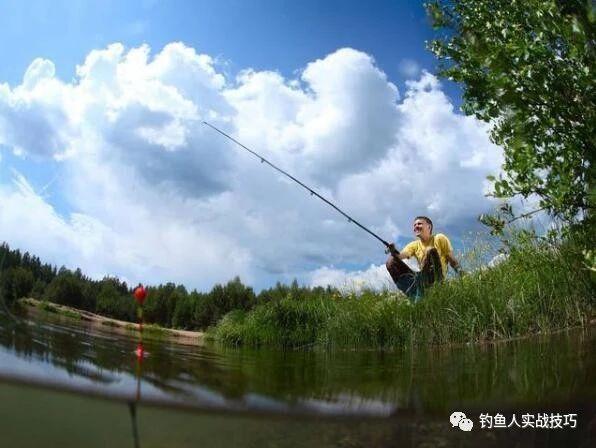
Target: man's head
[{"x": 423, "y": 227}]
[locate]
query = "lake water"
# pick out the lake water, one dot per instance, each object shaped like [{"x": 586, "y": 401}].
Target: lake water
[{"x": 67, "y": 383}]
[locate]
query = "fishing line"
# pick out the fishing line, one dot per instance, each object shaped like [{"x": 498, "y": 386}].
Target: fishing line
[
  {"x": 132, "y": 408},
  {"x": 310, "y": 190}
]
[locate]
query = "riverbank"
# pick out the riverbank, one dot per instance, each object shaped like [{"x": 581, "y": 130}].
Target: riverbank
[
  {"x": 151, "y": 330},
  {"x": 540, "y": 288}
]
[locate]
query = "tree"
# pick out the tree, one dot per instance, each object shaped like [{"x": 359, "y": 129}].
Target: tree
[
  {"x": 15, "y": 283},
  {"x": 183, "y": 312},
  {"x": 211, "y": 307},
  {"x": 65, "y": 289},
  {"x": 527, "y": 68},
  {"x": 111, "y": 299}
]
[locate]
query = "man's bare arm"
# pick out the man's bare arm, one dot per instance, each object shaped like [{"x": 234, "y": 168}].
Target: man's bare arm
[{"x": 454, "y": 263}]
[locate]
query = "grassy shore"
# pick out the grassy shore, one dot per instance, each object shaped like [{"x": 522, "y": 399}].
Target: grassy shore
[{"x": 540, "y": 287}]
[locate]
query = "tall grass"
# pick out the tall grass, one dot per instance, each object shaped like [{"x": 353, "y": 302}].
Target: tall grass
[{"x": 540, "y": 287}]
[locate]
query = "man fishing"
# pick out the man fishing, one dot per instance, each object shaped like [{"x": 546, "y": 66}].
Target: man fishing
[{"x": 433, "y": 252}]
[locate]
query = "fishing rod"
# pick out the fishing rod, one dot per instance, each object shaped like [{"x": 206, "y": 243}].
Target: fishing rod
[{"x": 389, "y": 247}]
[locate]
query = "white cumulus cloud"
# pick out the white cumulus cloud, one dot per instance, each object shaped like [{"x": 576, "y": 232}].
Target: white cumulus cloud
[{"x": 154, "y": 195}]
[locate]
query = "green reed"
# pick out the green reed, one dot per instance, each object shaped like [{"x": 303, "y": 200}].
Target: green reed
[{"x": 541, "y": 286}]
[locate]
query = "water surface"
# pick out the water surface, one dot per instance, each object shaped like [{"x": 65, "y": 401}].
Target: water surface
[{"x": 280, "y": 398}]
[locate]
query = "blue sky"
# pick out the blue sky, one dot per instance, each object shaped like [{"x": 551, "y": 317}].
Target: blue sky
[
  {"x": 101, "y": 140},
  {"x": 265, "y": 35}
]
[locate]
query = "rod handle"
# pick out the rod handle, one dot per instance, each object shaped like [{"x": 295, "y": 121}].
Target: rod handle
[{"x": 390, "y": 249}]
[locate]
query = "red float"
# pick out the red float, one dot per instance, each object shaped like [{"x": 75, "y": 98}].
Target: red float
[{"x": 140, "y": 293}]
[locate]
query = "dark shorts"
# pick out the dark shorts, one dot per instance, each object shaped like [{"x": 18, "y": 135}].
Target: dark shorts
[{"x": 410, "y": 283}]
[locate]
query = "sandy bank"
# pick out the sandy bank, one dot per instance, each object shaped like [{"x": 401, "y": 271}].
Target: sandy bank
[{"x": 182, "y": 336}]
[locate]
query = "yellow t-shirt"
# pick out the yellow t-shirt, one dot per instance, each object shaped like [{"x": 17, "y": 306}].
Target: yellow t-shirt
[{"x": 418, "y": 249}]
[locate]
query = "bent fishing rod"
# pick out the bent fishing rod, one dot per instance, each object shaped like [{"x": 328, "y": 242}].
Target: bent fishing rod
[{"x": 388, "y": 246}]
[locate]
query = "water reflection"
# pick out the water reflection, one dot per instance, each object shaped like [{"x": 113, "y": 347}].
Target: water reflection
[
  {"x": 552, "y": 370},
  {"x": 132, "y": 405}
]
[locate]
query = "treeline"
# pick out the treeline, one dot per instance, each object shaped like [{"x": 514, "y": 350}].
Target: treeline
[{"x": 169, "y": 305}]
